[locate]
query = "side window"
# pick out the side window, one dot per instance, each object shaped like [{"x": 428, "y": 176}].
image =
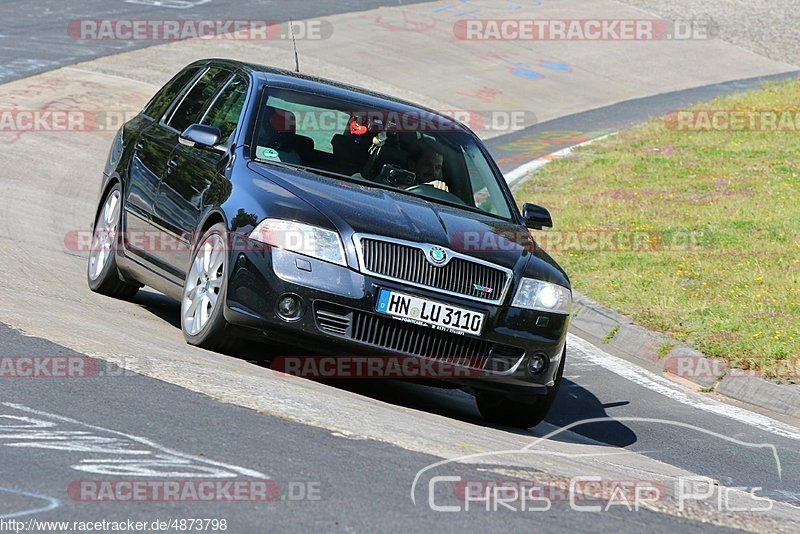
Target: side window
[
  {"x": 156, "y": 108},
  {"x": 487, "y": 194},
  {"x": 188, "y": 112},
  {"x": 226, "y": 109}
]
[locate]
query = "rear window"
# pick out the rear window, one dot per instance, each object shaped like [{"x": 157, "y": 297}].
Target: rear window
[
  {"x": 224, "y": 113},
  {"x": 188, "y": 112},
  {"x": 156, "y": 108}
]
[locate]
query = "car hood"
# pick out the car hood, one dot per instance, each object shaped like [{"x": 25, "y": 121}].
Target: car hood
[{"x": 353, "y": 208}]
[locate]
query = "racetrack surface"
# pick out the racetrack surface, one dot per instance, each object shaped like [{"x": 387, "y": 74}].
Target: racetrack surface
[
  {"x": 364, "y": 441},
  {"x": 321, "y": 480},
  {"x": 34, "y": 36}
]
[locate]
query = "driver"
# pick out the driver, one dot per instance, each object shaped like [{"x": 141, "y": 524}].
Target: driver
[{"x": 426, "y": 160}]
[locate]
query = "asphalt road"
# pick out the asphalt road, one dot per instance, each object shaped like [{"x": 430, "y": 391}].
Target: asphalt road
[
  {"x": 34, "y": 36},
  {"x": 517, "y": 148},
  {"x": 358, "y": 446},
  {"x": 57, "y": 433}
]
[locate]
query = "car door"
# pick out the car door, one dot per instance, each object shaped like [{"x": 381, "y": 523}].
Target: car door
[
  {"x": 153, "y": 145},
  {"x": 195, "y": 177},
  {"x": 186, "y": 112}
]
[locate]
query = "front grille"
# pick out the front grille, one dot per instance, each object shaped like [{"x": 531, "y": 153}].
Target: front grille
[
  {"x": 334, "y": 323},
  {"x": 408, "y": 263},
  {"x": 407, "y": 338},
  {"x": 504, "y": 358}
]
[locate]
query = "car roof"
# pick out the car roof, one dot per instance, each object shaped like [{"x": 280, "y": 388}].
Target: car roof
[{"x": 287, "y": 79}]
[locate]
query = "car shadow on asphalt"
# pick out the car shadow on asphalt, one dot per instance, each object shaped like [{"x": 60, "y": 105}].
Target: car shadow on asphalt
[
  {"x": 575, "y": 404},
  {"x": 163, "y": 307},
  {"x": 572, "y": 405}
]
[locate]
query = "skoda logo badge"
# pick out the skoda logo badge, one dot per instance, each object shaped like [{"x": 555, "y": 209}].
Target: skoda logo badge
[{"x": 437, "y": 256}]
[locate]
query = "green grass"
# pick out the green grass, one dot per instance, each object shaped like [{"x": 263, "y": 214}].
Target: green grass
[
  {"x": 610, "y": 335},
  {"x": 721, "y": 211},
  {"x": 663, "y": 350}
]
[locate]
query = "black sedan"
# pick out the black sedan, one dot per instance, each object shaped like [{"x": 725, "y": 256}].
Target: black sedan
[{"x": 282, "y": 206}]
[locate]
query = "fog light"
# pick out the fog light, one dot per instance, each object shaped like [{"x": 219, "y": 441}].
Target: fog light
[
  {"x": 290, "y": 307},
  {"x": 537, "y": 363}
]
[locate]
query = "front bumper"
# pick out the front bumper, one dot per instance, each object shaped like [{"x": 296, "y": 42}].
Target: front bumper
[{"x": 339, "y": 316}]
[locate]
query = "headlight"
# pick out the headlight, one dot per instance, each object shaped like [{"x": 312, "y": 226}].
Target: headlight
[
  {"x": 543, "y": 296},
  {"x": 313, "y": 241}
]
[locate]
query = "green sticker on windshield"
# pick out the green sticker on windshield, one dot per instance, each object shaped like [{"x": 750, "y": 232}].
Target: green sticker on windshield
[{"x": 270, "y": 153}]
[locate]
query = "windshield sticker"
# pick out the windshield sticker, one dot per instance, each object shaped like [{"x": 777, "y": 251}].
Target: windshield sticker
[{"x": 268, "y": 153}]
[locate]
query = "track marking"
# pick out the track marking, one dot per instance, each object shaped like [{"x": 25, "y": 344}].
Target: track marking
[
  {"x": 170, "y": 4},
  {"x": 183, "y": 457},
  {"x": 52, "y": 503},
  {"x": 516, "y": 177},
  {"x": 676, "y": 392}
]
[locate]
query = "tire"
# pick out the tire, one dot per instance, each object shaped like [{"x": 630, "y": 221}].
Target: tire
[
  {"x": 497, "y": 408},
  {"x": 203, "y": 302},
  {"x": 101, "y": 270}
]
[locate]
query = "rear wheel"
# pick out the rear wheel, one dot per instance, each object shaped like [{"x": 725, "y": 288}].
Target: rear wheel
[
  {"x": 102, "y": 273},
  {"x": 497, "y": 408},
  {"x": 202, "y": 318}
]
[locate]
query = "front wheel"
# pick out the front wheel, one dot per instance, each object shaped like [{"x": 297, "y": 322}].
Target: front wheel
[
  {"x": 202, "y": 318},
  {"x": 102, "y": 273},
  {"x": 499, "y": 409}
]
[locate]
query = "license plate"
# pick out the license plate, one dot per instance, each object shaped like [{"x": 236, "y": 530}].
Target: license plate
[{"x": 430, "y": 313}]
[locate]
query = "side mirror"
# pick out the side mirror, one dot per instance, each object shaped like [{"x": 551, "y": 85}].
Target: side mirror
[
  {"x": 200, "y": 136},
  {"x": 536, "y": 217}
]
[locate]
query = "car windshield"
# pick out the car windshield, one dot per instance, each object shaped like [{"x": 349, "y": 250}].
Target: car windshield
[{"x": 411, "y": 151}]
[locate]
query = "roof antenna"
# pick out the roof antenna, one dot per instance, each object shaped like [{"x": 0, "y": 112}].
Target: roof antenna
[{"x": 294, "y": 43}]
